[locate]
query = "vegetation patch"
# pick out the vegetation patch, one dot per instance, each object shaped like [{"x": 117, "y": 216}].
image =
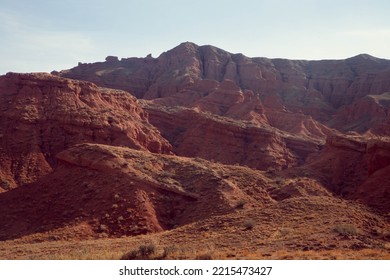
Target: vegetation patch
[
  {"x": 346, "y": 229},
  {"x": 249, "y": 224}
]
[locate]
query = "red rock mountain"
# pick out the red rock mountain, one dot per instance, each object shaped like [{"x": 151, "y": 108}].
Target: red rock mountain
[
  {"x": 259, "y": 112},
  {"x": 144, "y": 145},
  {"x": 190, "y": 75}
]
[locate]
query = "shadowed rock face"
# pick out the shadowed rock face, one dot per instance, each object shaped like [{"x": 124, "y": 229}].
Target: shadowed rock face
[
  {"x": 42, "y": 115},
  {"x": 355, "y": 167}
]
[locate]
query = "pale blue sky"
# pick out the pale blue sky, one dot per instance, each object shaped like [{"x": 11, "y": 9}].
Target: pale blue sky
[{"x": 46, "y": 35}]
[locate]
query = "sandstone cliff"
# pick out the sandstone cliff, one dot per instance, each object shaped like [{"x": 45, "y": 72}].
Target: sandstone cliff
[
  {"x": 264, "y": 113},
  {"x": 317, "y": 89},
  {"x": 42, "y": 115},
  {"x": 355, "y": 167},
  {"x": 196, "y": 134}
]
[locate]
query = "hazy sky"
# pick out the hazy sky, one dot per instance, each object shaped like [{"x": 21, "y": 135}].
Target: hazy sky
[{"x": 46, "y": 35}]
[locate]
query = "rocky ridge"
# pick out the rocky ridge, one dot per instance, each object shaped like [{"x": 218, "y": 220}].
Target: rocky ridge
[
  {"x": 264, "y": 113},
  {"x": 41, "y": 115},
  {"x": 189, "y": 73}
]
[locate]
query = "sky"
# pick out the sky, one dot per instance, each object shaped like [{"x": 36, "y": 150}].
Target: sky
[{"x": 47, "y": 35}]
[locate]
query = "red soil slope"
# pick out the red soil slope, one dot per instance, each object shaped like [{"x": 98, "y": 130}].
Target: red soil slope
[{"x": 104, "y": 191}]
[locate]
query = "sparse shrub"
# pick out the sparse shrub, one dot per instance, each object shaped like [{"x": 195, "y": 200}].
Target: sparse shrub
[
  {"x": 168, "y": 250},
  {"x": 144, "y": 252},
  {"x": 249, "y": 224},
  {"x": 147, "y": 250},
  {"x": 5, "y": 184},
  {"x": 110, "y": 119},
  {"x": 284, "y": 231},
  {"x": 279, "y": 180},
  {"x": 103, "y": 228},
  {"x": 270, "y": 170},
  {"x": 346, "y": 229},
  {"x": 132, "y": 255},
  {"x": 204, "y": 256},
  {"x": 240, "y": 204}
]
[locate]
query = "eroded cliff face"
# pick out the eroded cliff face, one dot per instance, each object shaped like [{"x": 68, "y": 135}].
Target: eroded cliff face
[
  {"x": 318, "y": 89},
  {"x": 42, "y": 115},
  {"x": 227, "y": 140},
  {"x": 291, "y": 137},
  {"x": 264, "y": 113},
  {"x": 367, "y": 115},
  {"x": 355, "y": 167}
]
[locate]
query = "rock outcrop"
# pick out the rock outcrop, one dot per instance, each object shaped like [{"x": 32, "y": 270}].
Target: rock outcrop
[
  {"x": 229, "y": 141},
  {"x": 369, "y": 114},
  {"x": 355, "y": 167},
  {"x": 41, "y": 115}
]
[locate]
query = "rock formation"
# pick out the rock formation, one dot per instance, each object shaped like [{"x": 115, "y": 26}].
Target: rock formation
[
  {"x": 264, "y": 113},
  {"x": 318, "y": 89},
  {"x": 229, "y": 141},
  {"x": 182, "y": 142},
  {"x": 115, "y": 191},
  {"x": 41, "y": 115},
  {"x": 355, "y": 167}
]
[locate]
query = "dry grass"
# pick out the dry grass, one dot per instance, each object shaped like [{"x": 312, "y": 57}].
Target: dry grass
[
  {"x": 244, "y": 227},
  {"x": 337, "y": 254},
  {"x": 111, "y": 249},
  {"x": 346, "y": 229}
]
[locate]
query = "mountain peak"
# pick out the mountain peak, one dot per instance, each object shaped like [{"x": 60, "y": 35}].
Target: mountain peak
[
  {"x": 187, "y": 47},
  {"x": 364, "y": 57}
]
